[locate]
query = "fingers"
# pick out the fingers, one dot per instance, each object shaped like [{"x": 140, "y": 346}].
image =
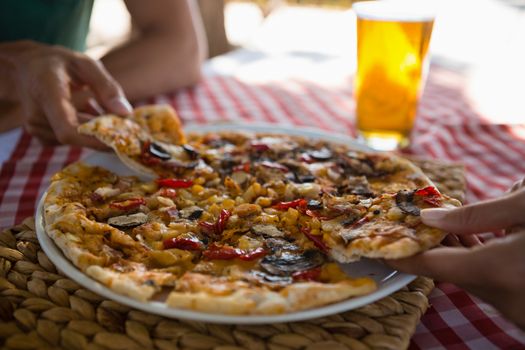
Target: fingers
[
  {"x": 517, "y": 185},
  {"x": 445, "y": 264},
  {"x": 108, "y": 91},
  {"x": 451, "y": 240},
  {"x": 84, "y": 101},
  {"x": 485, "y": 216},
  {"x": 469, "y": 240},
  {"x": 54, "y": 97}
]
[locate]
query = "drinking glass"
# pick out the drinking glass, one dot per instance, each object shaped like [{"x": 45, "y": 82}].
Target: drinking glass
[{"x": 392, "y": 44}]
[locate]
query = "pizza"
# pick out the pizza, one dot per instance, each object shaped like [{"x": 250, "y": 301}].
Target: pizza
[
  {"x": 210, "y": 252},
  {"x": 235, "y": 222}
]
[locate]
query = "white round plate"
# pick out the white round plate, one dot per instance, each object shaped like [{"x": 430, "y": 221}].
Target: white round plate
[{"x": 388, "y": 280}]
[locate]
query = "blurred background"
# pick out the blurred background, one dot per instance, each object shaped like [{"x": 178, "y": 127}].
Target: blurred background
[{"x": 483, "y": 39}]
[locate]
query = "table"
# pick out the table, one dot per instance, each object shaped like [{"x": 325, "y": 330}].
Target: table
[{"x": 316, "y": 91}]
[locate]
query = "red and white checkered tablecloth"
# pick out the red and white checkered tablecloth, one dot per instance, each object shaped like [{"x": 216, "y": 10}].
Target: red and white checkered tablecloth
[{"x": 448, "y": 128}]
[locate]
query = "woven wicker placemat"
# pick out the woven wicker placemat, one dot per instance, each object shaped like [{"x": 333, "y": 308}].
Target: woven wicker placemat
[{"x": 42, "y": 309}]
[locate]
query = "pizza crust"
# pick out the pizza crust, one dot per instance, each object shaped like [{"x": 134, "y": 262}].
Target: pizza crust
[{"x": 241, "y": 299}]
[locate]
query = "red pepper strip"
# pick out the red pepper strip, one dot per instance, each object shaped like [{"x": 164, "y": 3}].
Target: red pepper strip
[
  {"x": 254, "y": 254},
  {"x": 222, "y": 221},
  {"x": 208, "y": 228},
  {"x": 429, "y": 191},
  {"x": 260, "y": 147},
  {"x": 433, "y": 201},
  {"x": 216, "y": 252},
  {"x": 305, "y": 157},
  {"x": 183, "y": 243},
  {"x": 214, "y": 229},
  {"x": 317, "y": 241},
  {"x": 174, "y": 183},
  {"x": 307, "y": 275},
  {"x": 168, "y": 192},
  {"x": 242, "y": 167},
  {"x": 145, "y": 157},
  {"x": 128, "y": 204},
  {"x": 298, "y": 203},
  {"x": 430, "y": 195},
  {"x": 273, "y": 165},
  {"x": 360, "y": 222}
]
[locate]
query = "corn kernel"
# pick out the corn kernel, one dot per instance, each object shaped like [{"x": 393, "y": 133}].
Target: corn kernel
[
  {"x": 293, "y": 213},
  {"x": 264, "y": 201},
  {"x": 149, "y": 187},
  {"x": 315, "y": 232},
  {"x": 290, "y": 217},
  {"x": 214, "y": 209},
  {"x": 395, "y": 214},
  {"x": 197, "y": 189},
  {"x": 199, "y": 181},
  {"x": 315, "y": 223},
  {"x": 267, "y": 219},
  {"x": 228, "y": 203}
]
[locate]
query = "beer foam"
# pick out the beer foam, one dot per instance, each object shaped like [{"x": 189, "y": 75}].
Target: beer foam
[{"x": 395, "y": 10}]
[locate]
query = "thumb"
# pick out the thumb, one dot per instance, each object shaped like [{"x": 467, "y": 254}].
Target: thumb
[
  {"x": 485, "y": 216},
  {"x": 106, "y": 89},
  {"x": 444, "y": 264}
]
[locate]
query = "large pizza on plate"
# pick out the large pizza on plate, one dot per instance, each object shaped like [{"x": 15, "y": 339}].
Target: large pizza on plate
[{"x": 235, "y": 222}]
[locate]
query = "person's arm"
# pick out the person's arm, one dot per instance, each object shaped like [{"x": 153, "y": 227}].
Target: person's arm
[
  {"x": 495, "y": 271},
  {"x": 167, "y": 53}
]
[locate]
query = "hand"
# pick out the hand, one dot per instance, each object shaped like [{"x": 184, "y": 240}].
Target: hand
[
  {"x": 495, "y": 272},
  {"x": 47, "y": 78}
]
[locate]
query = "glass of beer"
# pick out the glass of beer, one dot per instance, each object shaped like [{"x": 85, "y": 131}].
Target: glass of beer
[{"x": 392, "y": 44}]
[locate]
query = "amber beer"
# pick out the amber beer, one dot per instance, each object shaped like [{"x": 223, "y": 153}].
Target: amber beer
[{"x": 392, "y": 46}]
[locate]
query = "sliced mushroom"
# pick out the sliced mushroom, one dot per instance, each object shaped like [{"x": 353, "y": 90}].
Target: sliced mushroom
[
  {"x": 192, "y": 152},
  {"x": 128, "y": 221},
  {"x": 322, "y": 154},
  {"x": 357, "y": 185},
  {"x": 314, "y": 204},
  {"x": 191, "y": 213},
  {"x": 267, "y": 230},
  {"x": 272, "y": 279},
  {"x": 297, "y": 178},
  {"x": 158, "y": 151},
  {"x": 287, "y": 263},
  {"x": 350, "y": 218},
  {"x": 405, "y": 202},
  {"x": 177, "y": 165},
  {"x": 306, "y": 178},
  {"x": 348, "y": 235},
  {"x": 277, "y": 245}
]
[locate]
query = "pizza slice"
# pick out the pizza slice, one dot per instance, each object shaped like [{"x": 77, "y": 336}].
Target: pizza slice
[{"x": 150, "y": 141}]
